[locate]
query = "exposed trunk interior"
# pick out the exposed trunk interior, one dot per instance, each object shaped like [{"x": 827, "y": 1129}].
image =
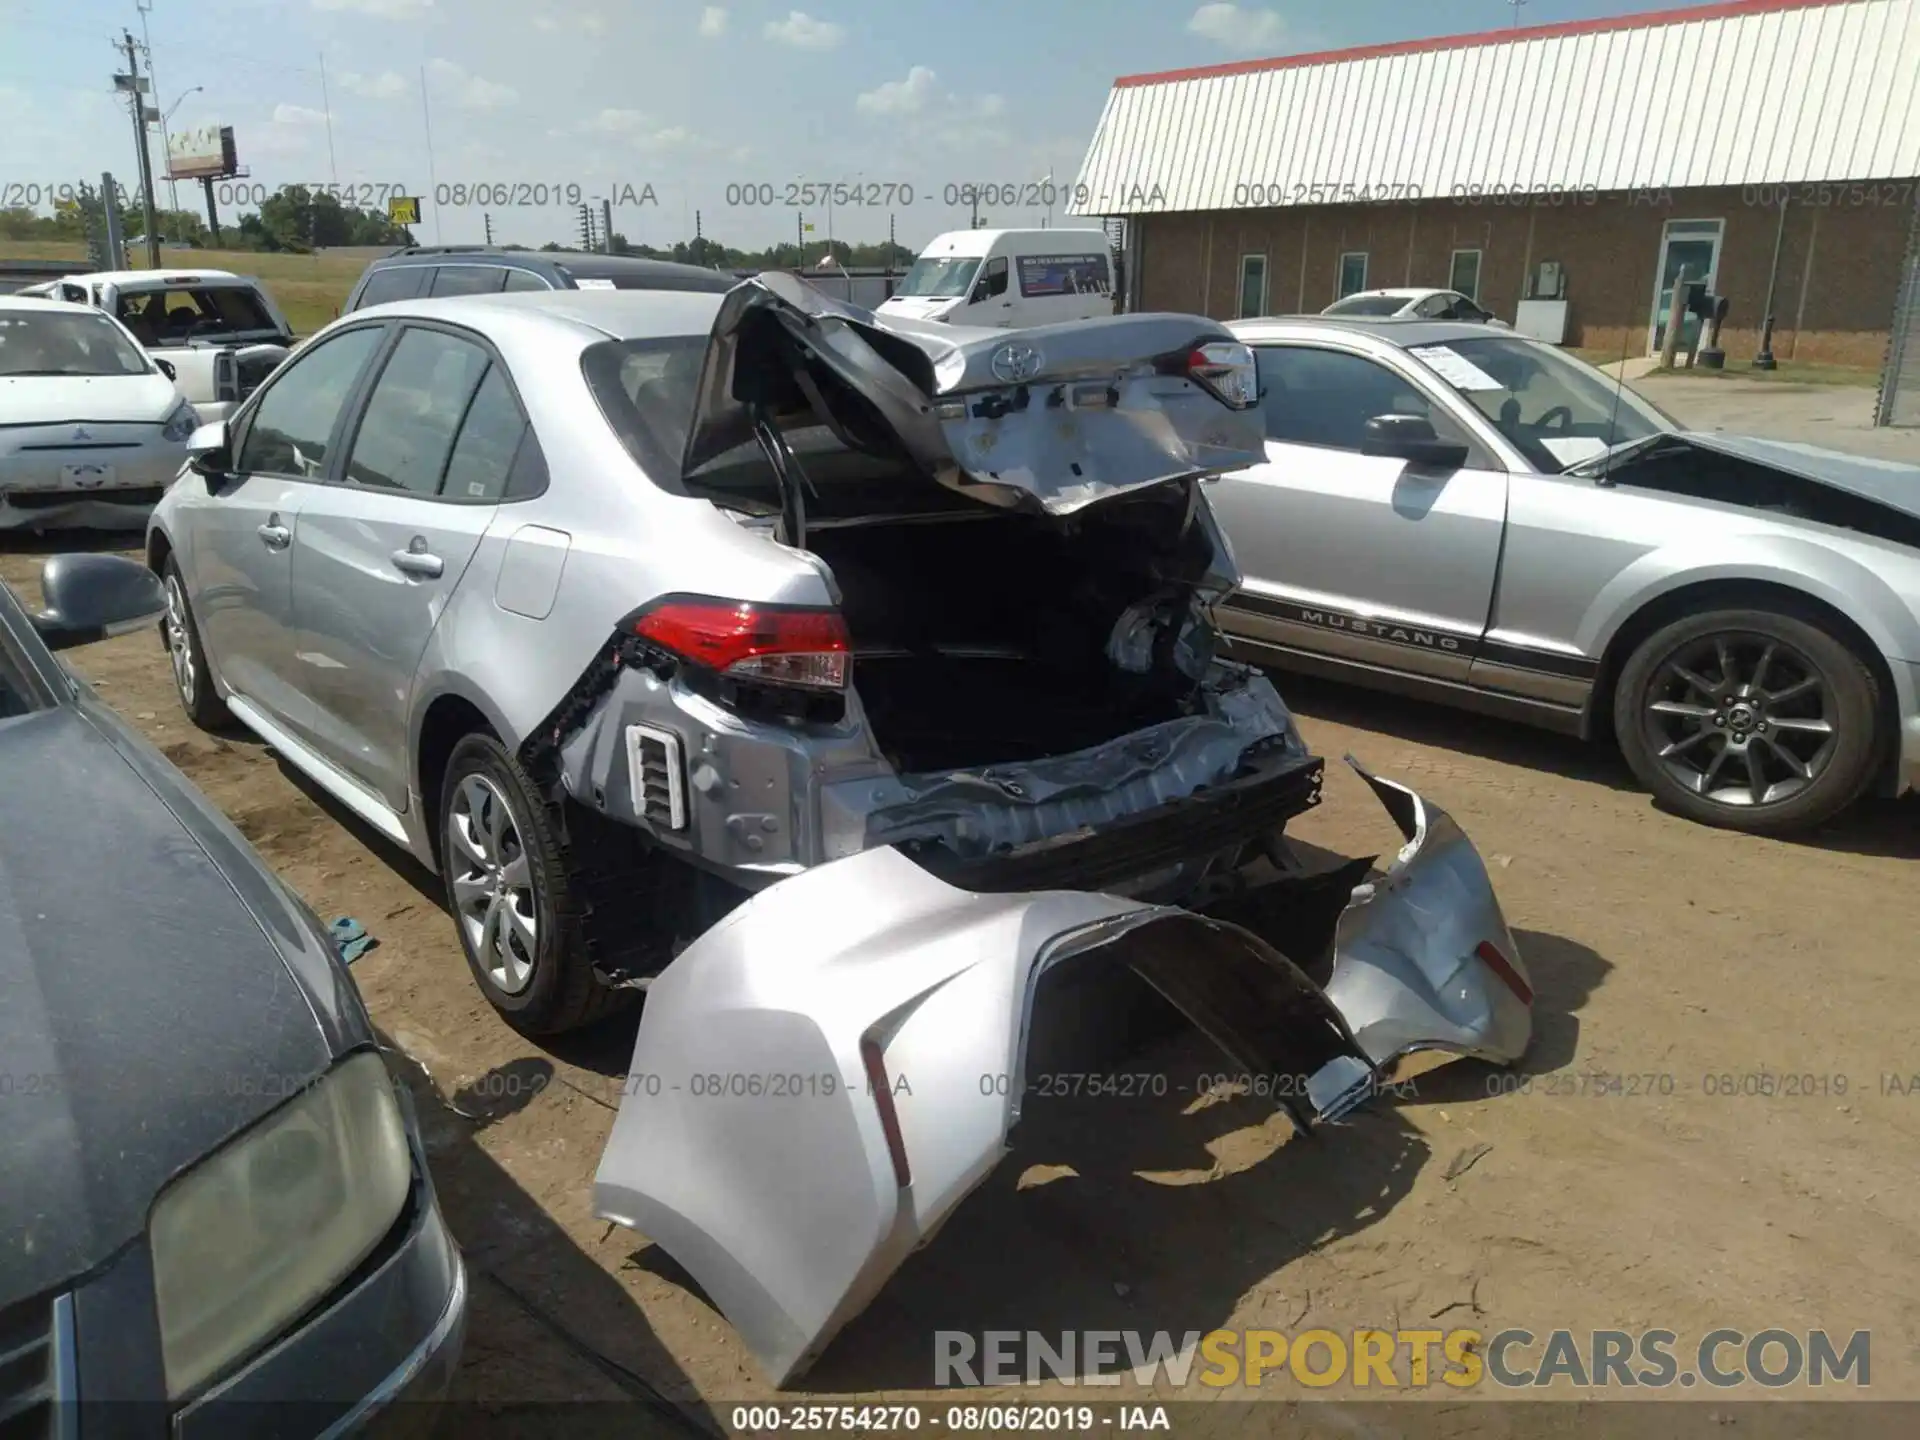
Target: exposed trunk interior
[{"x": 985, "y": 637}]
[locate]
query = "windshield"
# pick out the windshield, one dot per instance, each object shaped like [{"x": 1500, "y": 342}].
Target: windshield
[
  {"x": 1367, "y": 305},
  {"x": 65, "y": 342},
  {"x": 945, "y": 277},
  {"x": 1557, "y": 411}
]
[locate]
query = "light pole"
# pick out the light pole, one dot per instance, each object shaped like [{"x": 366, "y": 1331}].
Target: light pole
[{"x": 166, "y": 147}]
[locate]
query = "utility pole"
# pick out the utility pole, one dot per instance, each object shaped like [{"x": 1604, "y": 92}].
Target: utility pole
[
  {"x": 133, "y": 84},
  {"x": 426, "y": 122},
  {"x": 1516, "y": 4},
  {"x": 799, "y": 240},
  {"x": 486, "y": 218},
  {"x": 153, "y": 79},
  {"x": 606, "y": 226}
]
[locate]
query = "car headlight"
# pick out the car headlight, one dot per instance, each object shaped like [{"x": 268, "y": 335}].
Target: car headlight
[
  {"x": 181, "y": 424},
  {"x": 253, "y": 1235}
]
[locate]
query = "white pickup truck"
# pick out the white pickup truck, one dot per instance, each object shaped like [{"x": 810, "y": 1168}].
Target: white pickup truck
[{"x": 217, "y": 334}]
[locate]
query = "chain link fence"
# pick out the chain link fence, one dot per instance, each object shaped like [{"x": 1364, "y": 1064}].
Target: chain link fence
[{"x": 1899, "y": 402}]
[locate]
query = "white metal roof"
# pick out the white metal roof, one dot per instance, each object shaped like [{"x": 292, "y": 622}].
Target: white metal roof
[{"x": 1754, "y": 92}]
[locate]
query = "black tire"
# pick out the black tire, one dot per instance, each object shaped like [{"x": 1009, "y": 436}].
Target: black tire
[
  {"x": 559, "y": 990},
  {"x": 180, "y": 638},
  {"x": 1807, "y": 678}
]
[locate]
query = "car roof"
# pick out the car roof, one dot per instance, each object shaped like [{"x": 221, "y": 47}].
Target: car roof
[
  {"x": 588, "y": 314},
  {"x": 582, "y": 264},
  {"x": 1397, "y": 292},
  {"x": 1392, "y": 329},
  {"x": 40, "y": 302},
  {"x": 160, "y": 277}
]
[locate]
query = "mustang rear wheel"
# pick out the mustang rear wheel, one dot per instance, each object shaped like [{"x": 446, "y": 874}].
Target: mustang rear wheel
[{"x": 1749, "y": 719}]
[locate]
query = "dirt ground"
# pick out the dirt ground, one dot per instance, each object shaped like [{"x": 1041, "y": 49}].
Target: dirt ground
[{"x": 1680, "y": 959}]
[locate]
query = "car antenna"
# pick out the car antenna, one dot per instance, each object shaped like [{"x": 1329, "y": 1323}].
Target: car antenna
[{"x": 1613, "y": 416}]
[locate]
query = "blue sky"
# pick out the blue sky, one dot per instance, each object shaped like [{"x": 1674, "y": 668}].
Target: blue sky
[{"x": 614, "y": 96}]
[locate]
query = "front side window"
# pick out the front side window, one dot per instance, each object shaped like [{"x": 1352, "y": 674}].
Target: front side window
[
  {"x": 291, "y": 428},
  {"x": 1557, "y": 411},
  {"x": 396, "y": 282},
  {"x": 467, "y": 280},
  {"x": 993, "y": 280},
  {"x": 415, "y": 411},
  {"x": 1314, "y": 396},
  {"x": 59, "y": 342},
  {"x": 942, "y": 277},
  {"x": 1353, "y": 273},
  {"x": 1253, "y": 286}
]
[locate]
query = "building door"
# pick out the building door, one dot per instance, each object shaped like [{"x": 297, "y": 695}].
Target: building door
[{"x": 1693, "y": 246}]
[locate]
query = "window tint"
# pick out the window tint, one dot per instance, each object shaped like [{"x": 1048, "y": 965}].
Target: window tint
[
  {"x": 525, "y": 280},
  {"x": 468, "y": 280},
  {"x": 1435, "y": 307},
  {"x": 396, "y": 282},
  {"x": 489, "y": 439},
  {"x": 290, "y": 429},
  {"x": 416, "y": 407},
  {"x": 993, "y": 280},
  {"x": 1326, "y": 397}
]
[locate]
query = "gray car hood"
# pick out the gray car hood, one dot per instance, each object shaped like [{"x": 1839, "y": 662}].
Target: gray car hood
[
  {"x": 1052, "y": 418},
  {"x": 145, "y": 1014},
  {"x": 1886, "y": 482}
]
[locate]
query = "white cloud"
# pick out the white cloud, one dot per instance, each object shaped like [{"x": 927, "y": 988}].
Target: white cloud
[
  {"x": 641, "y": 130},
  {"x": 383, "y": 9},
  {"x": 284, "y": 114},
  {"x": 1238, "y": 29},
  {"x": 593, "y": 23},
  {"x": 713, "y": 21},
  {"x": 388, "y": 85},
  {"x": 901, "y": 97},
  {"x": 803, "y": 32},
  {"x": 454, "y": 84}
]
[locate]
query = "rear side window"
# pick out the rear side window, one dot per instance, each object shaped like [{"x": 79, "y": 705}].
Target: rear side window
[
  {"x": 468, "y": 280},
  {"x": 417, "y": 407},
  {"x": 525, "y": 280},
  {"x": 289, "y": 432},
  {"x": 489, "y": 440},
  {"x": 396, "y": 282}
]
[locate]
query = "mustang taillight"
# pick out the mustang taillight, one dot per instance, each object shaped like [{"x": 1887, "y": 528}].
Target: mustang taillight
[
  {"x": 1226, "y": 368},
  {"x": 774, "y": 645}
]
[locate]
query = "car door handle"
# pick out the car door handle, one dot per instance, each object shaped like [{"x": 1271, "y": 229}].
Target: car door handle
[
  {"x": 418, "y": 562},
  {"x": 276, "y": 535}
]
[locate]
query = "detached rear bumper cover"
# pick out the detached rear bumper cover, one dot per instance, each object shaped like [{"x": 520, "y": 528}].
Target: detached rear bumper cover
[{"x": 806, "y": 1103}]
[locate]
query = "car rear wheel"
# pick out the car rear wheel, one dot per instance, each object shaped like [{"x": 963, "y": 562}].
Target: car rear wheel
[
  {"x": 504, "y": 866},
  {"x": 1753, "y": 720},
  {"x": 192, "y": 680}
]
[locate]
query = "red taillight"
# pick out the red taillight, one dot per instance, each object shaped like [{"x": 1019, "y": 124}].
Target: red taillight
[
  {"x": 1504, "y": 968},
  {"x": 778, "y": 646},
  {"x": 882, "y": 1091}
]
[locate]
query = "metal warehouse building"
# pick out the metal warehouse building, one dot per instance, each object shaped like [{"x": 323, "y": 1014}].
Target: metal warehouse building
[{"x": 1772, "y": 144}]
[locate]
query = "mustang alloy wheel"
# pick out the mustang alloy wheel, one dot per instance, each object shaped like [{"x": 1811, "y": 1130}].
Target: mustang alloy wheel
[{"x": 1753, "y": 720}]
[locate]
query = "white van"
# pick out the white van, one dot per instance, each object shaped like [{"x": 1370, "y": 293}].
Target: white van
[{"x": 1008, "y": 279}]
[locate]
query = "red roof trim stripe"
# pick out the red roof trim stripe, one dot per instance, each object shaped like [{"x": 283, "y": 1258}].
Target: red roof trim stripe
[{"x": 1643, "y": 21}]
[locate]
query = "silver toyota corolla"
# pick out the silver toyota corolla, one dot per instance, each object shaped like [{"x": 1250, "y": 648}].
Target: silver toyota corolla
[
  {"x": 1490, "y": 522},
  {"x": 835, "y": 681}
]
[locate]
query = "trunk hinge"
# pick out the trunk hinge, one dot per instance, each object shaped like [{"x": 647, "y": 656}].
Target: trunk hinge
[{"x": 793, "y": 481}]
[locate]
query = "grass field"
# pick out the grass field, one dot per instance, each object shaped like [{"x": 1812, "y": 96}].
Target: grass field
[{"x": 309, "y": 289}]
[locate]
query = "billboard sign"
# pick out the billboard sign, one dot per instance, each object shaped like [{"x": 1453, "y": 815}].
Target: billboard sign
[
  {"x": 206, "y": 153},
  {"x": 1063, "y": 275}
]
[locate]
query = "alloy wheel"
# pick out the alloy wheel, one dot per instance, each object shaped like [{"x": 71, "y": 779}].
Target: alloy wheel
[
  {"x": 1741, "y": 719},
  {"x": 179, "y": 634},
  {"x": 492, "y": 883}
]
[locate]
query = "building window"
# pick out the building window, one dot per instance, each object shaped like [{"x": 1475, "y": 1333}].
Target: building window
[
  {"x": 1253, "y": 286},
  {"x": 1353, "y": 273},
  {"x": 1465, "y": 275}
]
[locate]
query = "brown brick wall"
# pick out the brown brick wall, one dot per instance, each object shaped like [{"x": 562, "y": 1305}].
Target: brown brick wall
[{"x": 1608, "y": 245}]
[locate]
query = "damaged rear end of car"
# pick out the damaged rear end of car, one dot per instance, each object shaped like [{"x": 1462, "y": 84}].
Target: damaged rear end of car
[{"x": 986, "y": 794}]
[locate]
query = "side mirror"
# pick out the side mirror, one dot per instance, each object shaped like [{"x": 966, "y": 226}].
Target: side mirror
[
  {"x": 1411, "y": 438},
  {"x": 208, "y": 452},
  {"x": 94, "y": 597},
  {"x": 166, "y": 369}
]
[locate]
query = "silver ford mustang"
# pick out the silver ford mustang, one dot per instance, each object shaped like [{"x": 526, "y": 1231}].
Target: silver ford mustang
[
  {"x": 1487, "y": 521},
  {"x": 847, "y": 685}
]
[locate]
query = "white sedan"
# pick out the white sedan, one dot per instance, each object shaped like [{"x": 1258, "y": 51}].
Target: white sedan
[
  {"x": 92, "y": 431},
  {"x": 1413, "y": 304}
]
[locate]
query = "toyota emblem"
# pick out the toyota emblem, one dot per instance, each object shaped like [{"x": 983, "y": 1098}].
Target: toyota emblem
[
  {"x": 1014, "y": 363},
  {"x": 80, "y": 432}
]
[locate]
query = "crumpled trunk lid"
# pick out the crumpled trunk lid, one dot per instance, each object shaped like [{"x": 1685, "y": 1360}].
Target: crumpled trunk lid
[
  {"x": 1052, "y": 418},
  {"x": 822, "y": 1077}
]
